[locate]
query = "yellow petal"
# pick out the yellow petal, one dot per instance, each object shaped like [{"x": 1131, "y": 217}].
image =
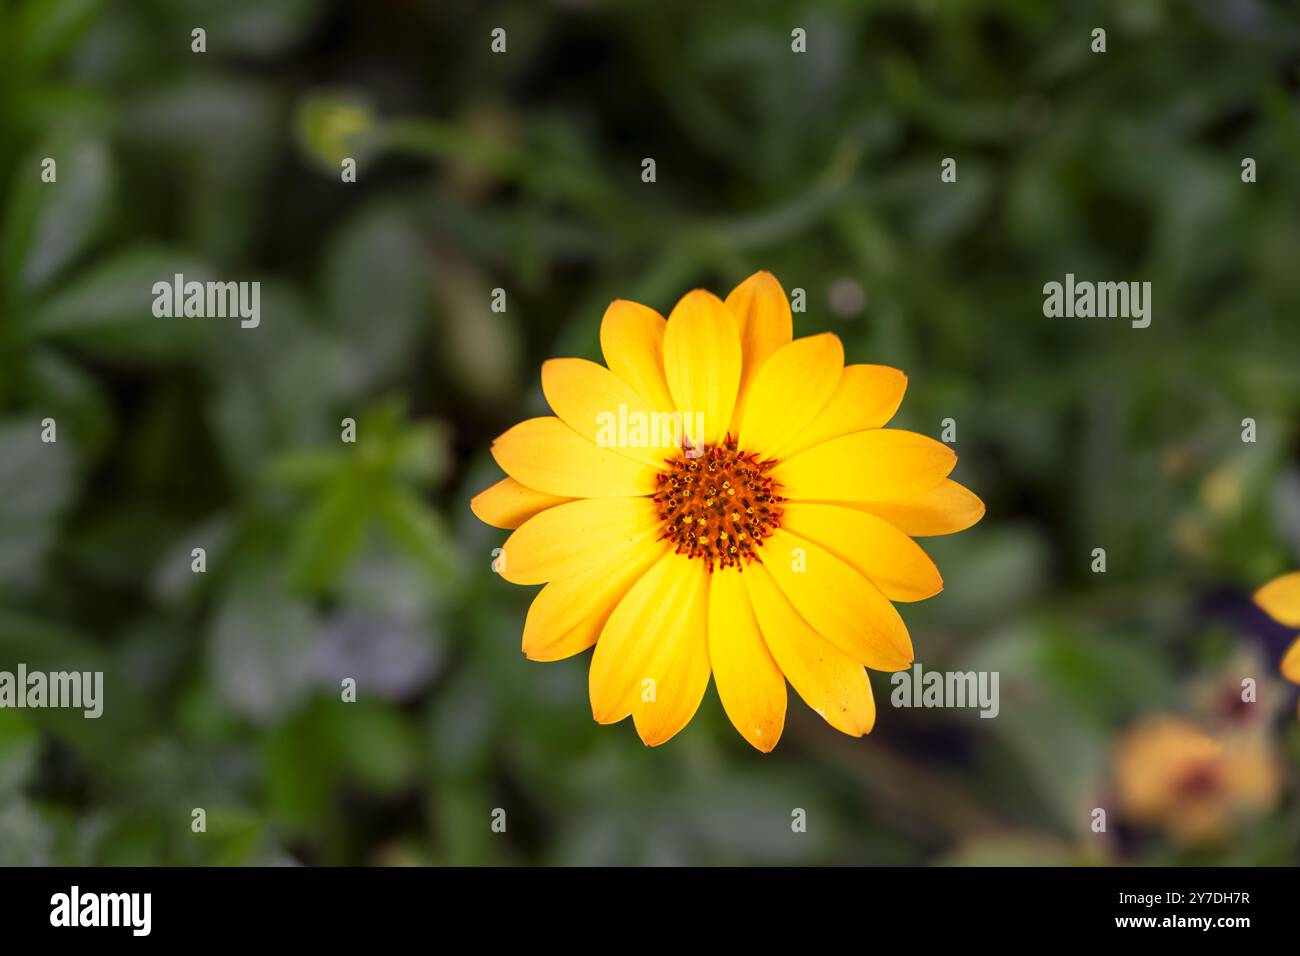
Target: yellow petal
[
  {"x": 944, "y": 509},
  {"x": 1280, "y": 599},
  {"x": 508, "y": 504},
  {"x": 702, "y": 361},
  {"x": 789, "y": 391},
  {"x": 763, "y": 320},
  {"x": 567, "y": 615},
  {"x": 890, "y": 559},
  {"x": 576, "y": 537},
  {"x": 546, "y": 454},
  {"x": 866, "y": 396},
  {"x": 866, "y": 466},
  {"x": 830, "y": 682},
  {"x": 1291, "y": 664},
  {"x": 632, "y": 341},
  {"x": 652, "y": 659},
  {"x": 842, "y": 605},
  {"x": 601, "y": 407},
  {"x": 749, "y": 682}
]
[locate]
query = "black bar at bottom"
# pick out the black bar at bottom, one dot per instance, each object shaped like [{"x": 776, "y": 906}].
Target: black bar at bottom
[{"x": 333, "y": 906}]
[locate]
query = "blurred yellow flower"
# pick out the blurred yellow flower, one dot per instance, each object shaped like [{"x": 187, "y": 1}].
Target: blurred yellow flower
[
  {"x": 1280, "y": 599},
  {"x": 713, "y": 444},
  {"x": 1171, "y": 775}
]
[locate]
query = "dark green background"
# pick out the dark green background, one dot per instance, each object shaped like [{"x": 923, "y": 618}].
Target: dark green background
[{"x": 522, "y": 171}]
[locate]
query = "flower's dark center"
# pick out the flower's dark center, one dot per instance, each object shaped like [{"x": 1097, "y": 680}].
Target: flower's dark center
[
  {"x": 719, "y": 505},
  {"x": 1201, "y": 779},
  {"x": 1233, "y": 707}
]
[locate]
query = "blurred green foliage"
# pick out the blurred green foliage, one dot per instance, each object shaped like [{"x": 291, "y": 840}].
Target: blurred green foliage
[{"x": 521, "y": 171}]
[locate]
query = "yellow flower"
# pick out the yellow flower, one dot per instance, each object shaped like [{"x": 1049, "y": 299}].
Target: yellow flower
[
  {"x": 1280, "y": 599},
  {"x": 757, "y": 528},
  {"x": 1172, "y": 775}
]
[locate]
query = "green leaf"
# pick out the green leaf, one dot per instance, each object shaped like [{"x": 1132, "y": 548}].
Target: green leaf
[
  {"x": 480, "y": 347},
  {"x": 25, "y": 838},
  {"x": 45, "y": 645},
  {"x": 46, "y": 29},
  {"x": 35, "y": 485},
  {"x": 299, "y": 772},
  {"x": 109, "y": 311},
  {"x": 49, "y": 224},
  {"x": 378, "y": 745},
  {"x": 19, "y": 748},
  {"x": 306, "y": 468},
  {"x": 255, "y": 27},
  {"x": 307, "y": 757},
  {"x": 260, "y": 649},
  {"x": 376, "y": 283},
  {"x": 329, "y": 536},
  {"x": 419, "y": 531},
  {"x": 73, "y": 397}
]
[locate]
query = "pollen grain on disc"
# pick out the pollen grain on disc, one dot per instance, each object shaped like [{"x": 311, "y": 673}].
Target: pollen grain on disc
[{"x": 719, "y": 505}]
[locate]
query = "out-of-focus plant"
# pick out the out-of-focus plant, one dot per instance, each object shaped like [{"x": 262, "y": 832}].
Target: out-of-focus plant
[{"x": 522, "y": 172}]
